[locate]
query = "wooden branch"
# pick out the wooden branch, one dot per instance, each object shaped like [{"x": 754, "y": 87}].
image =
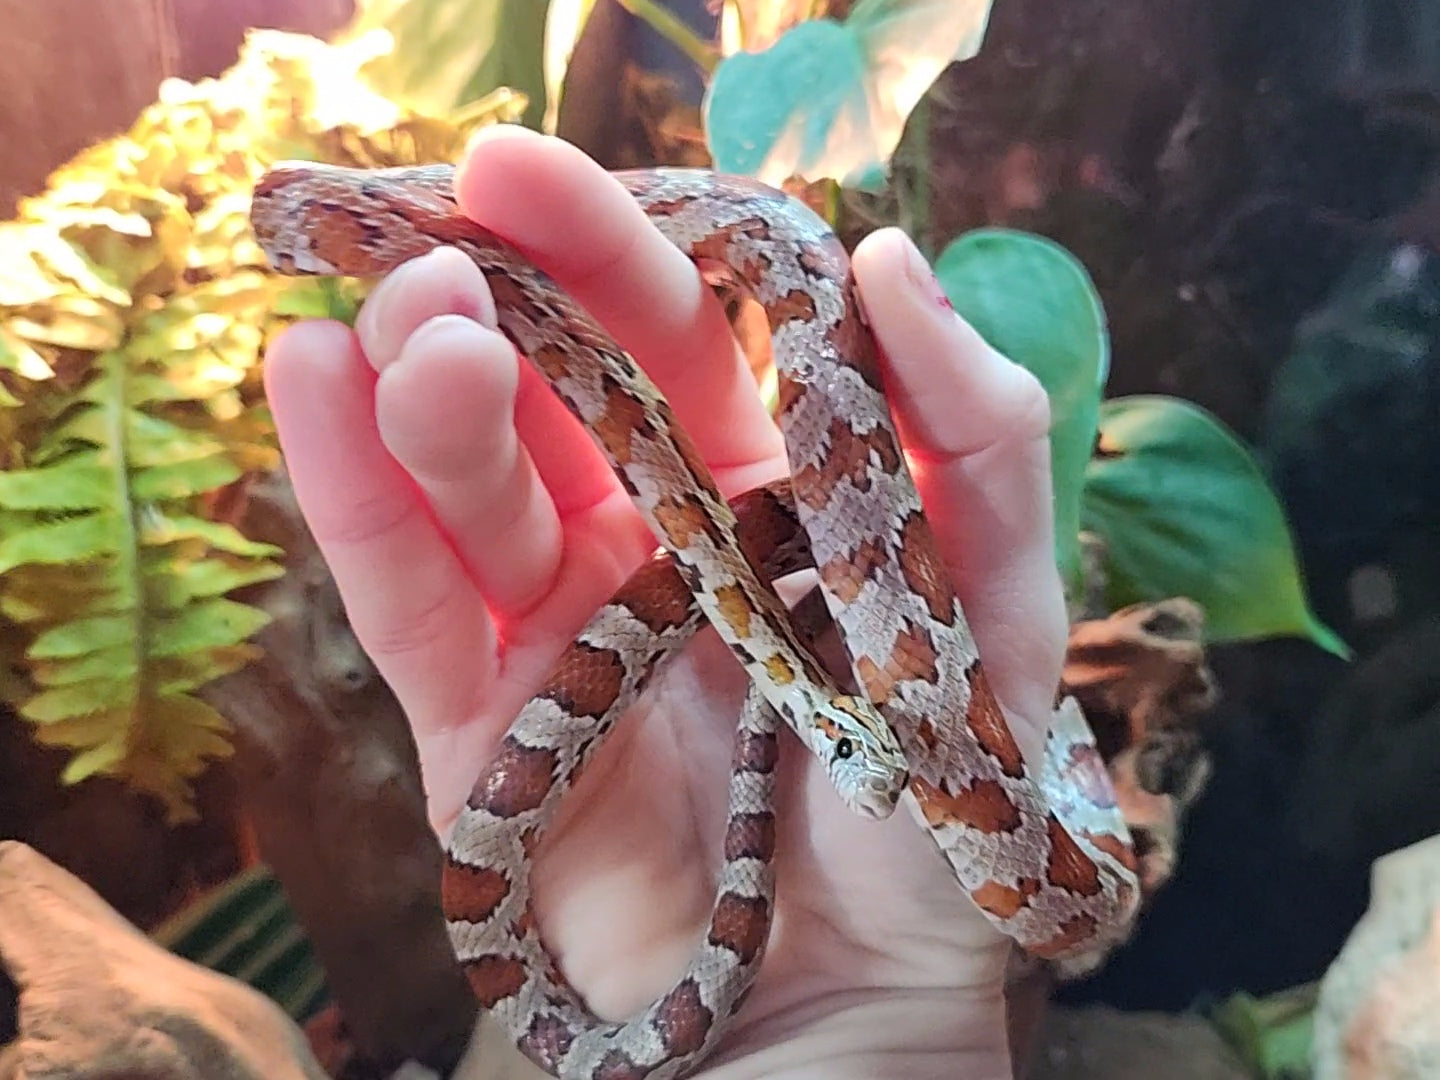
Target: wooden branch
[{"x": 330, "y": 780}]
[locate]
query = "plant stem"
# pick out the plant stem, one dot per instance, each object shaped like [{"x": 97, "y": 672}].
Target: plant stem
[
  {"x": 913, "y": 192},
  {"x": 674, "y": 30},
  {"x": 742, "y": 23}
]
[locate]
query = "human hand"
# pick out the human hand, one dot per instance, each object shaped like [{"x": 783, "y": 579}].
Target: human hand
[{"x": 477, "y": 528}]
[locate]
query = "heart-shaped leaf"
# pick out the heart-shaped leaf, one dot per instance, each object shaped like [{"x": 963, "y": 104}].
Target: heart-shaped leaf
[
  {"x": 830, "y": 99},
  {"x": 1184, "y": 511},
  {"x": 451, "y": 53},
  {"x": 1033, "y": 301}
]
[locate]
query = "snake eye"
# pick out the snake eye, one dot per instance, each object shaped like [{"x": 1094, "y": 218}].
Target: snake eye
[{"x": 844, "y": 748}]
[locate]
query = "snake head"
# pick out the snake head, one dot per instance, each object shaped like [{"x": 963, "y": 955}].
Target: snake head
[{"x": 864, "y": 760}]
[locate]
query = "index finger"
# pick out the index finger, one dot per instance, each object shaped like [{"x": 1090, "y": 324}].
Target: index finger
[
  {"x": 975, "y": 427},
  {"x": 577, "y": 223}
]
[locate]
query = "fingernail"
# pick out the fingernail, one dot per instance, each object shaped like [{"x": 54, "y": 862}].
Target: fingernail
[{"x": 918, "y": 270}]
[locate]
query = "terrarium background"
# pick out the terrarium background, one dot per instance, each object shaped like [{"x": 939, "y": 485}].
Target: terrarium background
[{"x": 1255, "y": 187}]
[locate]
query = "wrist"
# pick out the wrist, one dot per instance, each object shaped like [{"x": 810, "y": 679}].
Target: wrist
[{"x": 901, "y": 1034}]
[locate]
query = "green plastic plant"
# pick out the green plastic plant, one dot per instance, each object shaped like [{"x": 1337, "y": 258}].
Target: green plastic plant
[
  {"x": 134, "y": 307},
  {"x": 1178, "y": 501}
]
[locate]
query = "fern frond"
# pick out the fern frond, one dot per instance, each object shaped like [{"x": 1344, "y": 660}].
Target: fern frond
[
  {"x": 125, "y": 611},
  {"x": 135, "y": 306}
]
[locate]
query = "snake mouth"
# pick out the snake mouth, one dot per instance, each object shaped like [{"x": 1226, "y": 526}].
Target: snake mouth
[{"x": 879, "y": 797}]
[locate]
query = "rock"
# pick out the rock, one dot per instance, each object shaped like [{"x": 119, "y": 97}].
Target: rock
[
  {"x": 330, "y": 785},
  {"x": 1095, "y": 1042},
  {"x": 100, "y": 999},
  {"x": 1375, "y": 1019},
  {"x": 1141, "y": 678}
]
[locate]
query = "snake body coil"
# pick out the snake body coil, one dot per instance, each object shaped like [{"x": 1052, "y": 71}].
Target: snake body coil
[{"x": 925, "y": 722}]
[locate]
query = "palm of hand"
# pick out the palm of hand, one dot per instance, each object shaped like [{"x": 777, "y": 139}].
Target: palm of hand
[
  {"x": 482, "y": 530},
  {"x": 641, "y": 830}
]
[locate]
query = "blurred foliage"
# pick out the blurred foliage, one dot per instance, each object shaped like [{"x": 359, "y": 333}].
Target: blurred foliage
[
  {"x": 1273, "y": 1035},
  {"x": 134, "y": 307},
  {"x": 1181, "y": 505},
  {"x": 1363, "y": 366},
  {"x": 246, "y": 928},
  {"x": 805, "y": 90},
  {"x": 1184, "y": 510},
  {"x": 439, "y": 56},
  {"x": 1033, "y": 301},
  {"x": 830, "y": 98}
]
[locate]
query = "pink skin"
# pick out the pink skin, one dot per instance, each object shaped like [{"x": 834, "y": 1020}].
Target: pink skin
[{"x": 473, "y": 528}]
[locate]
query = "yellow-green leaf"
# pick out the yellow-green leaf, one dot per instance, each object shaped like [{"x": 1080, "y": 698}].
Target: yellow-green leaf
[
  {"x": 186, "y": 580},
  {"x": 79, "y": 698},
  {"x": 450, "y": 53},
  {"x": 83, "y": 482},
  {"x": 76, "y": 324},
  {"x": 96, "y": 759},
  {"x": 74, "y": 540},
  {"x": 81, "y": 636},
  {"x": 19, "y": 356},
  {"x": 190, "y": 671},
  {"x": 205, "y": 624},
  {"x": 161, "y": 529},
  {"x": 180, "y": 479},
  {"x": 118, "y": 662}
]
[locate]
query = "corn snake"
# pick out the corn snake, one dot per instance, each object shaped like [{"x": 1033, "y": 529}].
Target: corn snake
[{"x": 924, "y": 731}]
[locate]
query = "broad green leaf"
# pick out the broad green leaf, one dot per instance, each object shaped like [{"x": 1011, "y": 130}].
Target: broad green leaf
[
  {"x": 1184, "y": 511},
  {"x": 830, "y": 99},
  {"x": 1274, "y": 1035},
  {"x": 1033, "y": 301},
  {"x": 320, "y": 298},
  {"x": 451, "y": 53}
]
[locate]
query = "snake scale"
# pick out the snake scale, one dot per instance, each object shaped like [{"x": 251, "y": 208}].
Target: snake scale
[{"x": 1048, "y": 860}]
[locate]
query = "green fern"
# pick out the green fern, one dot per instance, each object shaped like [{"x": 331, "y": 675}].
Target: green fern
[
  {"x": 134, "y": 310},
  {"x": 108, "y": 564},
  {"x": 122, "y": 586}
]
